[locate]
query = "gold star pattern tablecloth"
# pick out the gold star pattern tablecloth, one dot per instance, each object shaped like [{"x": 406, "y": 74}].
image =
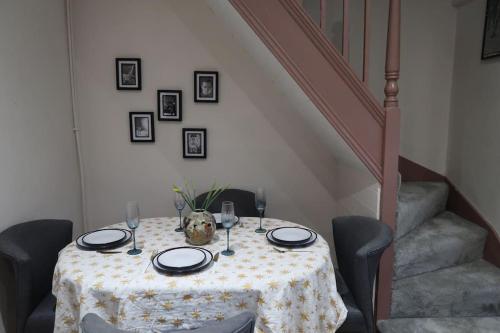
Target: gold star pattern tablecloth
[{"x": 290, "y": 292}]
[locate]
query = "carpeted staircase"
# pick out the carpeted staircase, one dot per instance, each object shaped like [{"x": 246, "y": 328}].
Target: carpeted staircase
[{"x": 441, "y": 284}]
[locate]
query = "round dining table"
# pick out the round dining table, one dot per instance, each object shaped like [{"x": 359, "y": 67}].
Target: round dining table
[{"x": 289, "y": 291}]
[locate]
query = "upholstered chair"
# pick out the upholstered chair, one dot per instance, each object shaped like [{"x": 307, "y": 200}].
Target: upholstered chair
[
  {"x": 359, "y": 244},
  {"x": 244, "y": 202},
  {"x": 31, "y": 250}
]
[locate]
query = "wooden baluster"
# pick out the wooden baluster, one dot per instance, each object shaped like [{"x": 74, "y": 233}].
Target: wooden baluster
[
  {"x": 345, "y": 35},
  {"x": 388, "y": 202},
  {"x": 366, "y": 40},
  {"x": 322, "y": 15},
  {"x": 392, "y": 55}
]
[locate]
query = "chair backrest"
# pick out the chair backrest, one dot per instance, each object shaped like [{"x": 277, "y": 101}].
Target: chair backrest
[
  {"x": 32, "y": 248},
  {"x": 359, "y": 244},
  {"x": 244, "y": 202},
  {"x": 241, "y": 323}
]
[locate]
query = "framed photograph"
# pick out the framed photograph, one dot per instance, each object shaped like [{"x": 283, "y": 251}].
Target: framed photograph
[
  {"x": 491, "y": 34},
  {"x": 194, "y": 142},
  {"x": 142, "y": 128},
  {"x": 169, "y": 105},
  {"x": 128, "y": 74},
  {"x": 206, "y": 87}
]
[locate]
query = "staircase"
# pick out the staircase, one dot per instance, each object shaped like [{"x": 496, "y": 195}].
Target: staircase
[
  {"x": 440, "y": 282},
  {"x": 322, "y": 70}
]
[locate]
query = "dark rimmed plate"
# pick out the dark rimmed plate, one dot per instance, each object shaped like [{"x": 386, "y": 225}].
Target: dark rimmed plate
[
  {"x": 104, "y": 237},
  {"x": 83, "y": 246},
  {"x": 310, "y": 241},
  {"x": 181, "y": 258},
  {"x": 291, "y": 235},
  {"x": 205, "y": 264}
]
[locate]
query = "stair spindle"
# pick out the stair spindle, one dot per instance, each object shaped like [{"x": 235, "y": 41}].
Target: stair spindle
[
  {"x": 366, "y": 40},
  {"x": 392, "y": 56},
  {"x": 322, "y": 15},
  {"x": 345, "y": 35}
]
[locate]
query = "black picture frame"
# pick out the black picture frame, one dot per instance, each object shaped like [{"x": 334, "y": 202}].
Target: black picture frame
[
  {"x": 211, "y": 78},
  {"x": 135, "y": 74},
  {"x": 491, "y": 39},
  {"x": 136, "y": 136},
  {"x": 165, "y": 103},
  {"x": 200, "y": 148}
]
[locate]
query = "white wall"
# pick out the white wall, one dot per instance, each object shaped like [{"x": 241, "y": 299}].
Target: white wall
[
  {"x": 427, "y": 55},
  {"x": 38, "y": 173},
  {"x": 427, "y": 52},
  {"x": 474, "y": 157},
  {"x": 257, "y": 136}
]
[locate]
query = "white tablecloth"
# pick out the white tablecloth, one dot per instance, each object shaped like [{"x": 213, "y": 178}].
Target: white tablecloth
[{"x": 290, "y": 292}]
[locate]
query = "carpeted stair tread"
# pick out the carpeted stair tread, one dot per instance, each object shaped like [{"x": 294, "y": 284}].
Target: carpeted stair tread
[
  {"x": 417, "y": 202},
  {"x": 441, "y": 325},
  {"x": 471, "y": 289},
  {"x": 443, "y": 241}
]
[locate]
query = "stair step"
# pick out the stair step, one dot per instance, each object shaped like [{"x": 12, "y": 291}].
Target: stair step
[
  {"x": 417, "y": 202},
  {"x": 443, "y": 241},
  {"x": 442, "y": 325},
  {"x": 471, "y": 289}
]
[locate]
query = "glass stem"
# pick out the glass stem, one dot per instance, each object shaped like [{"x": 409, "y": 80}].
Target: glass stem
[
  {"x": 180, "y": 219},
  {"x": 133, "y": 236},
  {"x": 227, "y": 230},
  {"x": 260, "y": 223}
]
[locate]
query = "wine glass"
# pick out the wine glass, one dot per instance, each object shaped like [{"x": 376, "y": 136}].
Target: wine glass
[
  {"x": 260, "y": 204},
  {"x": 227, "y": 219},
  {"x": 133, "y": 223},
  {"x": 179, "y": 203}
]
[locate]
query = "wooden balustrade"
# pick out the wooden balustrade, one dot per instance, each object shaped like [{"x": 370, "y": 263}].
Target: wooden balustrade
[{"x": 344, "y": 99}]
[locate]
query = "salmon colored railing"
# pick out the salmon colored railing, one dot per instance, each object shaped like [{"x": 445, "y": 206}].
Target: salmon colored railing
[{"x": 324, "y": 74}]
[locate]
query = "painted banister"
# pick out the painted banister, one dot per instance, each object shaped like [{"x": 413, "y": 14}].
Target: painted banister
[
  {"x": 322, "y": 73},
  {"x": 371, "y": 131}
]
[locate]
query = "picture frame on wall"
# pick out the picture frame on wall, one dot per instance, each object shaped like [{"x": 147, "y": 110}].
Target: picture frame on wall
[
  {"x": 491, "y": 33},
  {"x": 142, "y": 128},
  {"x": 169, "y": 105},
  {"x": 128, "y": 74},
  {"x": 206, "y": 87},
  {"x": 194, "y": 142}
]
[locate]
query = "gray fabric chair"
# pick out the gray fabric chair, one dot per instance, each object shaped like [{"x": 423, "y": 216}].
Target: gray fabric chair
[
  {"x": 244, "y": 202},
  {"x": 242, "y": 323},
  {"x": 31, "y": 249},
  {"x": 359, "y": 244}
]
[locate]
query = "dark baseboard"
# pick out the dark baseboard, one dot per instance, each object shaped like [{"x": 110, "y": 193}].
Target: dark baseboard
[{"x": 457, "y": 203}]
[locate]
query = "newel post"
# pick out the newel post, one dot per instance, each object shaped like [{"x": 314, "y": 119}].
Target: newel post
[{"x": 388, "y": 202}]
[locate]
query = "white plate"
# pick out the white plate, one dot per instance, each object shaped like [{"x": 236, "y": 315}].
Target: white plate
[
  {"x": 208, "y": 259},
  {"x": 180, "y": 258},
  {"x": 291, "y": 235},
  {"x": 218, "y": 218},
  {"x": 103, "y": 237}
]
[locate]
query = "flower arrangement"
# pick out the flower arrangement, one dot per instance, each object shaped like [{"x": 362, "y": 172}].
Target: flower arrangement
[{"x": 189, "y": 195}]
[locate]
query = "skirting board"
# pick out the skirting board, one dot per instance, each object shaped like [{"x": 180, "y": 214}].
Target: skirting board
[{"x": 457, "y": 203}]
